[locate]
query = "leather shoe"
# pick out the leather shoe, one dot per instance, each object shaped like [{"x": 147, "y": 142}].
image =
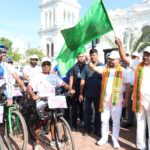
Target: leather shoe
[{"x": 127, "y": 125}]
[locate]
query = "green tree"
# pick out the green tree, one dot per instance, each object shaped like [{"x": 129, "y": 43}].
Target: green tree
[
  {"x": 6, "y": 42},
  {"x": 139, "y": 41},
  {"x": 15, "y": 55},
  {"x": 35, "y": 51}
]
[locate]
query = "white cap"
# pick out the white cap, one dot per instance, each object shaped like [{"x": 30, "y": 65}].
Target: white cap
[
  {"x": 33, "y": 57},
  {"x": 136, "y": 54},
  {"x": 147, "y": 49},
  {"x": 114, "y": 55},
  {"x": 44, "y": 59}
]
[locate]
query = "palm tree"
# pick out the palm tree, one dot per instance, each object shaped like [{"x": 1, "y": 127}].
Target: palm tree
[{"x": 138, "y": 43}]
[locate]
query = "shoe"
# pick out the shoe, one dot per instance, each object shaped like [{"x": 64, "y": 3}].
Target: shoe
[
  {"x": 53, "y": 144},
  {"x": 36, "y": 147},
  {"x": 127, "y": 125},
  {"x": 85, "y": 134},
  {"x": 116, "y": 144},
  {"x": 102, "y": 141},
  {"x": 97, "y": 133}
]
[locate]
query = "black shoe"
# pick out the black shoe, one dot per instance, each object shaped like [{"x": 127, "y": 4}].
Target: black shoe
[
  {"x": 97, "y": 133},
  {"x": 127, "y": 125}
]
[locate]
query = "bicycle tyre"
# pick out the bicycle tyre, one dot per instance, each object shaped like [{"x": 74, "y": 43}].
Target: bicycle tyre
[
  {"x": 1, "y": 143},
  {"x": 12, "y": 137},
  {"x": 63, "y": 135}
]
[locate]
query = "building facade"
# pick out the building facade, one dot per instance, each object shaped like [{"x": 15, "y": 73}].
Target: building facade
[
  {"x": 56, "y": 15},
  {"x": 131, "y": 21}
]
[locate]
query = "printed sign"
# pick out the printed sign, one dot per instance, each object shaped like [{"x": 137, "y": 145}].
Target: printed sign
[{"x": 57, "y": 102}]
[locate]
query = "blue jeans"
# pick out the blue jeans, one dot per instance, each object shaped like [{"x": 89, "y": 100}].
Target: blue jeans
[{"x": 88, "y": 113}]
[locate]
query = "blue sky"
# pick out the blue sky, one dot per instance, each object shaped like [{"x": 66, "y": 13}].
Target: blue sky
[{"x": 21, "y": 18}]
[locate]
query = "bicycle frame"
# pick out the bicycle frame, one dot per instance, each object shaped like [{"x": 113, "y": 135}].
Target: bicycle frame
[{"x": 10, "y": 110}]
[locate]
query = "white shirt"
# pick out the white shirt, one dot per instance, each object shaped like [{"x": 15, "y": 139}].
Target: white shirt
[
  {"x": 8, "y": 71},
  {"x": 32, "y": 71},
  {"x": 145, "y": 89},
  {"x": 131, "y": 75},
  {"x": 45, "y": 84},
  {"x": 109, "y": 86}
]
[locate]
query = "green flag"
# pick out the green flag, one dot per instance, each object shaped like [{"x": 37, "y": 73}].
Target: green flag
[
  {"x": 93, "y": 25},
  {"x": 67, "y": 58}
]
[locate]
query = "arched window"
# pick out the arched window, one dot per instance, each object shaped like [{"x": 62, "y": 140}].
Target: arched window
[
  {"x": 47, "y": 50},
  {"x": 46, "y": 20},
  {"x": 52, "y": 49},
  {"x": 72, "y": 18},
  {"x": 64, "y": 17},
  {"x": 50, "y": 19},
  {"x": 69, "y": 18}
]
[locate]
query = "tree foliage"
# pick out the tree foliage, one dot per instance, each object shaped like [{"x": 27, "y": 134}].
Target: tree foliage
[
  {"x": 139, "y": 41},
  {"x": 6, "y": 42},
  {"x": 15, "y": 55},
  {"x": 35, "y": 51}
]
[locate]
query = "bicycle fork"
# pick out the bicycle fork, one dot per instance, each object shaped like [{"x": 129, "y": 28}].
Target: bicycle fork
[{"x": 10, "y": 110}]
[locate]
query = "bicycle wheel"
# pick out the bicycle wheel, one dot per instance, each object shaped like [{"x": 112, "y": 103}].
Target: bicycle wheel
[
  {"x": 18, "y": 139},
  {"x": 63, "y": 135},
  {"x": 1, "y": 143}
]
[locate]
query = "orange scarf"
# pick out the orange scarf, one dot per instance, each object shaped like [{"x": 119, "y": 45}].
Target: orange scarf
[
  {"x": 115, "y": 87},
  {"x": 136, "y": 107}
]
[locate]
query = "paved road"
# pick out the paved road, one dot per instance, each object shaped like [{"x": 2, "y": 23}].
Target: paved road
[{"x": 127, "y": 141}]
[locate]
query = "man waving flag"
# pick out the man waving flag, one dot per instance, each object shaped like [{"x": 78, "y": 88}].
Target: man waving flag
[{"x": 93, "y": 25}]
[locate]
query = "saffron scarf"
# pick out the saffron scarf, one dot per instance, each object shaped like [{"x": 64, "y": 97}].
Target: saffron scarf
[
  {"x": 136, "y": 107},
  {"x": 115, "y": 87}
]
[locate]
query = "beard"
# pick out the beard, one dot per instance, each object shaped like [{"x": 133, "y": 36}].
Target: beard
[
  {"x": 111, "y": 65},
  {"x": 33, "y": 64}
]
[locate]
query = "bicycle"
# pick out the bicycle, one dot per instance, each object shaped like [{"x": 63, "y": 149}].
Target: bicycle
[
  {"x": 14, "y": 125},
  {"x": 46, "y": 116},
  {"x": 1, "y": 126}
]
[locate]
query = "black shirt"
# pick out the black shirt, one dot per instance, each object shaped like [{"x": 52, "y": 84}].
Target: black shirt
[
  {"x": 76, "y": 72},
  {"x": 92, "y": 81}
]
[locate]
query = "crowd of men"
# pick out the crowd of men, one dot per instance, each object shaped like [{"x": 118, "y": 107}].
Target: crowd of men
[{"x": 99, "y": 92}]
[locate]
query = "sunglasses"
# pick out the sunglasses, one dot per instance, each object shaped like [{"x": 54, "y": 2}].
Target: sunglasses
[
  {"x": 34, "y": 59},
  {"x": 46, "y": 64}
]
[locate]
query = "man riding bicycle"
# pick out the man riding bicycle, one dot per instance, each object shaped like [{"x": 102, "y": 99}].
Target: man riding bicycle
[{"x": 44, "y": 84}]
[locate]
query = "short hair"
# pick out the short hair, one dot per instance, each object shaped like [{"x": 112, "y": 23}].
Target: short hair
[{"x": 93, "y": 50}]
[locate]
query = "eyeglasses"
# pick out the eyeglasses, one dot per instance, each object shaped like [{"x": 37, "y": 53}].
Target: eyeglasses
[
  {"x": 46, "y": 64},
  {"x": 133, "y": 57}
]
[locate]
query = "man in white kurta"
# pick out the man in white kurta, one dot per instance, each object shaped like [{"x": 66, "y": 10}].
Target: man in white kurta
[
  {"x": 109, "y": 109},
  {"x": 31, "y": 69},
  {"x": 143, "y": 114}
]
